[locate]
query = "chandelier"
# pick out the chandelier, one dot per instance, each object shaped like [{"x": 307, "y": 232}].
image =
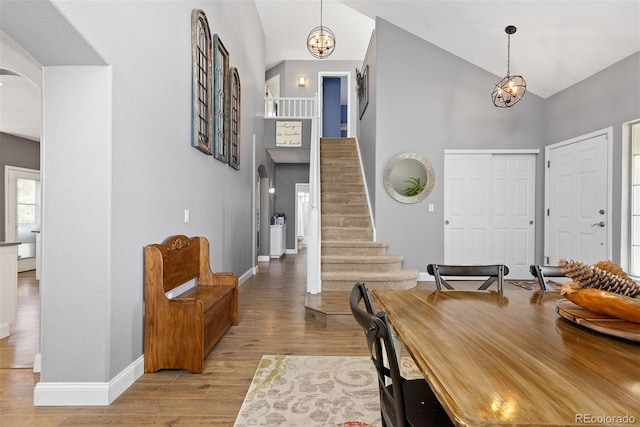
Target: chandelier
[
  {"x": 321, "y": 40},
  {"x": 508, "y": 91}
]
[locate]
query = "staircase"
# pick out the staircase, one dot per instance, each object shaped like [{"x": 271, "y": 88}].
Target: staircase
[{"x": 348, "y": 253}]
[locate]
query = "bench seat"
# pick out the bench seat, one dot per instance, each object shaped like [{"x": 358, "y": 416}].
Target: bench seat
[
  {"x": 181, "y": 331},
  {"x": 209, "y": 295}
]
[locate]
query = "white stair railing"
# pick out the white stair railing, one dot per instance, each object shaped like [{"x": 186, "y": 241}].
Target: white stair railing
[
  {"x": 314, "y": 283},
  {"x": 289, "y": 108}
]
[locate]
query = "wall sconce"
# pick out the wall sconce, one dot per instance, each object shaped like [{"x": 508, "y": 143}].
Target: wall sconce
[
  {"x": 302, "y": 81},
  {"x": 272, "y": 190}
]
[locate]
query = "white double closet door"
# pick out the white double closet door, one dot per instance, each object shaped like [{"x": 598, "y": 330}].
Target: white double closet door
[{"x": 489, "y": 209}]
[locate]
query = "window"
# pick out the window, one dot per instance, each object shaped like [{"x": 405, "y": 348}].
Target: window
[
  {"x": 27, "y": 215},
  {"x": 202, "y": 83},
  {"x": 634, "y": 265},
  {"x": 220, "y": 113},
  {"x": 234, "y": 118}
]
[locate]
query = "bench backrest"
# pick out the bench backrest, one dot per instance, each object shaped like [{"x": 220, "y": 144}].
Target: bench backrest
[{"x": 180, "y": 258}]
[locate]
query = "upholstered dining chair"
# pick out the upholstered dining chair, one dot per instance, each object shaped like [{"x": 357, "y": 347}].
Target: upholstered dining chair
[
  {"x": 402, "y": 402},
  {"x": 495, "y": 273},
  {"x": 541, "y": 272}
]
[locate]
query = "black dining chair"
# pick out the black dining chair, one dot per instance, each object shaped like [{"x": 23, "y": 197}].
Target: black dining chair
[
  {"x": 402, "y": 402},
  {"x": 541, "y": 272},
  {"x": 495, "y": 273}
]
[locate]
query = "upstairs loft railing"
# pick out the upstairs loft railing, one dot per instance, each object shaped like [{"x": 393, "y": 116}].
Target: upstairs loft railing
[
  {"x": 289, "y": 108},
  {"x": 305, "y": 108}
]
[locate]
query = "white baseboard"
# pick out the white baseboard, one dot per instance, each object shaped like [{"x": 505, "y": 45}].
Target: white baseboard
[
  {"x": 263, "y": 258},
  {"x": 245, "y": 276},
  {"x": 37, "y": 364},
  {"x": 89, "y": 393},
  {"x": 291, "y": 251},
  {"x": 5, "y": 330},
  {"x": 423, "y": 276}
]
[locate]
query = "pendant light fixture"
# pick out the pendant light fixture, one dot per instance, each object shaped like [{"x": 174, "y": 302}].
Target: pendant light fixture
[
  {"x": 508, "y": 91},
  {"x": 321, "y": 40}
]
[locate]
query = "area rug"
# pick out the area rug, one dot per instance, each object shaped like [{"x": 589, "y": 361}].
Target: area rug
[
  {"x": 532, "y": 285},
  {"x": 310, "y": 391}
]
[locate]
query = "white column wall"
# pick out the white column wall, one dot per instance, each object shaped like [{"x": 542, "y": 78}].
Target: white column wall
[{"x": 76, "y": 242}]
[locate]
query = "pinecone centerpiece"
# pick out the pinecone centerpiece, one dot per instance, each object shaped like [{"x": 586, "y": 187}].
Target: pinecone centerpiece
[
  {"x": 602, "y": 288},
  {"x": 600, "y": 276}
]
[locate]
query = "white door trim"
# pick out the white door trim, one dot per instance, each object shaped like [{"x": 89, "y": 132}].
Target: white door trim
[{"x": 608, "y": 133}]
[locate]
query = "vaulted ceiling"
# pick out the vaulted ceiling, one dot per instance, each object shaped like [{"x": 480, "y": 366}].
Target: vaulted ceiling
[{"x": 558, "y": 42}]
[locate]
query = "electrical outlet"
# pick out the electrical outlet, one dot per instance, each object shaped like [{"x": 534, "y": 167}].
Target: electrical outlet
[{"x": 430, "y": 207}]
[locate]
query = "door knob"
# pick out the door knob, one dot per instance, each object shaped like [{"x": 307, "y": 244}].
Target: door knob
[
  {"x": 446, "y": 222},
  {"x": 599, "y": 224}
]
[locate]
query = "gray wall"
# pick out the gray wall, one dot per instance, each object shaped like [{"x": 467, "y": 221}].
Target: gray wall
[
  {"x": 15, "y": 151},
  {"x": 102, "y": 101},
  {"x": 428, "y": 101},
  {"x": 595, "y": 104},
  {"x": 287, "y": 175},
  {"x": 367, "y": 124}
]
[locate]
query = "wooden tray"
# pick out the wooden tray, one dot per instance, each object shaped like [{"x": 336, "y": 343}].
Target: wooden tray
[{"x": 598, "y": 322}]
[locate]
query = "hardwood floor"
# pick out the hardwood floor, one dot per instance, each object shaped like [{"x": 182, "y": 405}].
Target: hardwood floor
[
  {"x": 272, "y": 321},
  {"x": 19, "y": 348}
]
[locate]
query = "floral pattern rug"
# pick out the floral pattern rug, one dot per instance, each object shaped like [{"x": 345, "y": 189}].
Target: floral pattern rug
[{"x": 310, "y": 391}]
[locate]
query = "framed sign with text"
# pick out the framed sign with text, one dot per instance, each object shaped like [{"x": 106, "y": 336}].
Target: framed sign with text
[{"x": 288, "y": 134}]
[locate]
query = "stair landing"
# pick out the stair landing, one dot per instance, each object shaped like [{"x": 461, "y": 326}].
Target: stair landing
[{"x": 331, "y": 310}]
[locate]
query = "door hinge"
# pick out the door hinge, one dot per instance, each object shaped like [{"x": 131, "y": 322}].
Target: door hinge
[
  {"x": 548, "y": 163},
  {"x": 547, "y": 260},
  {"x": 548, "y": 210}
]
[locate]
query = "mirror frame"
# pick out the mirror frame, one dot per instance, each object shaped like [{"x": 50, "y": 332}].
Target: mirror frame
[{"x": 426, "y": 164}]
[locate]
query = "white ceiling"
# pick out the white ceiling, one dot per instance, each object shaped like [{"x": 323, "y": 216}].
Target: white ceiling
[
  {"x": 558, "y": 42},
  {"x": 20, "y": 111}
]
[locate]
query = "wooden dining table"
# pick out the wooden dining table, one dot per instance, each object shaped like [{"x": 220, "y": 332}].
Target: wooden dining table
[{"x": 508, "y": 358}]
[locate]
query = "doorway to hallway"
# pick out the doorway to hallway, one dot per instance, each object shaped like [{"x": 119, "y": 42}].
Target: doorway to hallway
[
  {"x": 334, "y": 88},
  {"x": 22, "y": 221}
]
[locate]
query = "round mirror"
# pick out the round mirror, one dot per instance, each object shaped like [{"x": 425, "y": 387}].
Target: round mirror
[{"x": 409, "y": 177}]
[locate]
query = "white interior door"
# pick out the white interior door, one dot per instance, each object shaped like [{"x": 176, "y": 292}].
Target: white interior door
[
  {"x": 467, "y": 190},
  {"x": 489, "y": 210},
  {"x": 513, "y": 212},
  {"x": 578, "y": 202}
]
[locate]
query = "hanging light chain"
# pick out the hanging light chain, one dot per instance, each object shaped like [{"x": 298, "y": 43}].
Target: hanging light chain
[
  {"x": 508, "y": 91},
  {"x": 508, "y": 53}
]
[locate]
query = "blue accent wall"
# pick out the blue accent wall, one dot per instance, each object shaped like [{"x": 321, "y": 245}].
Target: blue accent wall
[{"x": 331, "y": 110}]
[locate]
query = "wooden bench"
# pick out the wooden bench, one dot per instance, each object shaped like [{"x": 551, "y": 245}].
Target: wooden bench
[{"x": 181, "y": 331}]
